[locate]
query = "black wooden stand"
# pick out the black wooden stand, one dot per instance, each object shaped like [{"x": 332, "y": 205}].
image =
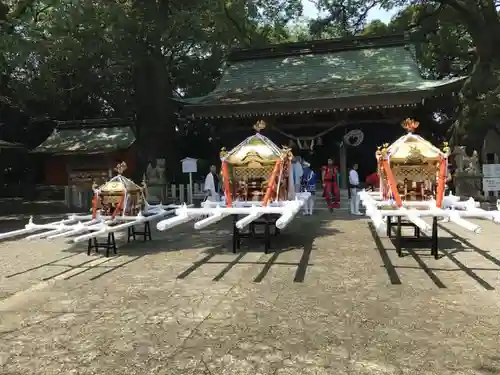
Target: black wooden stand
[
  {"x": 399, "y": 224},
  {"x": 266, "y": 221},
  {"x": 146, "y": 233},
  {"x": 108, "y": 245}
]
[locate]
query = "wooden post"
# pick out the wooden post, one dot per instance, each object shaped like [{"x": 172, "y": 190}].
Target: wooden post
[
  {"x": 190, "y": 193},
  {"x": 392, "y": 182},
  {"x": 343, "y": 167},
  {"x": 441, "y": 182},
  {"x": 173, "y": 189},
  {"x": 118, "y": 207},
  {"x": 181, "y": 193},
  {"x": 227, "y": 184},
  {"x": 67, "y": 196},
  {"x": 272, "y": 182},
  {"x": 94, "y": 206}
]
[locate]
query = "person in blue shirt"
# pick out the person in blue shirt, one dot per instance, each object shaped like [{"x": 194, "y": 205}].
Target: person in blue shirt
[{"x": 308, "y": 184}]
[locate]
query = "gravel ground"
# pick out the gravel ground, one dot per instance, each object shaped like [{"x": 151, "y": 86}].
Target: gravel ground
[{"x": 332, "y": 299}]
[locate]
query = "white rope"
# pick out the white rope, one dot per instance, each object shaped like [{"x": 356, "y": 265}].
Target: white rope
[{"x": 309, "y": 138}]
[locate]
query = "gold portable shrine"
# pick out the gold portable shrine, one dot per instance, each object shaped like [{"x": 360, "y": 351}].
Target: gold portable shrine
[
  {"x": 251, "y": 165},
  {"x": 414, "y": 164},
  {"x": 119, "y": 195}
]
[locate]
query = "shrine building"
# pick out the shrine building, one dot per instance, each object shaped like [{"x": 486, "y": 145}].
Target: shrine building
[
  {"x": 82, "y": 152},
  {"x": 337, "y": 98}
]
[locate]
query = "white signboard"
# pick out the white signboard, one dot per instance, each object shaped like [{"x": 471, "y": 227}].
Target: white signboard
[
  {"x": 189, "y": 165},
  {"x": 491, "y": 170},
  {"x": 491, "y": 184}
]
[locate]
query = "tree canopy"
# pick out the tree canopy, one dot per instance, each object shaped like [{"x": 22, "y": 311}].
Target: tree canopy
[{"x": 67, "y": 59}]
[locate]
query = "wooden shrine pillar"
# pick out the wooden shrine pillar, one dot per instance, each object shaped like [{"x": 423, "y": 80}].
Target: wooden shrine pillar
[{"x": 343, "y": 166}]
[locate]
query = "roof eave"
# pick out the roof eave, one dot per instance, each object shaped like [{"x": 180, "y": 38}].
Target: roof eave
[
  {"x": 4, "y": 145},
  {"x": 40, "y": 150},
  {"x": 316, "y": 105}
]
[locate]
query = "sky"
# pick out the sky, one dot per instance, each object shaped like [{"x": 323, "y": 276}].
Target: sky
[{"x": 374, "y": 14}]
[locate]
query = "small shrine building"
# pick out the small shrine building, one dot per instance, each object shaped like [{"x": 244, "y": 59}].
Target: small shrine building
[
  {"x": 80, "y": 153},
  {"x": 315, "y": 93}
]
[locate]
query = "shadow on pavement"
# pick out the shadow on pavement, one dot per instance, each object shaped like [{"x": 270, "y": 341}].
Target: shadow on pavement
[
  {"x": 447, "y": 246},
  {"x": 300, "y": 235},
  {"x": 467, "y": 243},
  {"x": 213, "y": 240}
]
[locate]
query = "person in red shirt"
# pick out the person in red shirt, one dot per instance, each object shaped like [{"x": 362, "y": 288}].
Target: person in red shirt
[
  {"x": 373, "y": 181},
  {"x": 329, "y": 176}
]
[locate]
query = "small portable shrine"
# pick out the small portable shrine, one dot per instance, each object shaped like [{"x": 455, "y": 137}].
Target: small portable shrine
[
  {"x": 412, "y": 168},
  {"x": 119, "y": 196},
  {"x": 257, "y": 170}
]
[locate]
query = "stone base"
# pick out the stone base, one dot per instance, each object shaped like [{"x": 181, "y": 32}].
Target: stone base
[
  {"x": 155, "y": 194},
  {"x": 468, "y": 186}
]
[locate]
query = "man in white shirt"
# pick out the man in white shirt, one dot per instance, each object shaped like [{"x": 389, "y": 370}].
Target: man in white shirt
[
  {"x": 353, "y": 190},
  {"x": 212, "y": 185}
]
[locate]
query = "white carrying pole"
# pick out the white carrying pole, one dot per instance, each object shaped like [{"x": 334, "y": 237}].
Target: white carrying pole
[
  {"x": 215, "y": 218},
  {"x": 81, "y": 227},
  {"x": 140, "y": 219},
  {"x": 455, "y": 218},
  {"x": 31, "y": 227},
  {"x": 242, "y": 223}
]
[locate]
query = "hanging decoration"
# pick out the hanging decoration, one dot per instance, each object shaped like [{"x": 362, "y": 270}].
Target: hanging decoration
[
  {"x": 305, "y": 143},
  {"x": 354, "y": 138},
  {"x": 308, "y": 142}
]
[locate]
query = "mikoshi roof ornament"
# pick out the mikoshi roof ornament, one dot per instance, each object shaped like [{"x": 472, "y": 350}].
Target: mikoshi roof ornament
[
  {"x": 118, "y": 205},
  {"x": 256, "y": 182},
  {"x": 413, "y": 176}
]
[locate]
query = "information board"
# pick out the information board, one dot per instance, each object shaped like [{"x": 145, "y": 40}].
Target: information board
[
  {"x": 491, "y": 170},
  {"x": 189, "y": 165},
  {"x": 491, "y": 184}
]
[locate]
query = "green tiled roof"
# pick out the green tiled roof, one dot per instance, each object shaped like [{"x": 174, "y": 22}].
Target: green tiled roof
[
  {"x": 87, "y": 140},
  {"x": 359, "y": 77},
  {"x": 5, "y": 144}
]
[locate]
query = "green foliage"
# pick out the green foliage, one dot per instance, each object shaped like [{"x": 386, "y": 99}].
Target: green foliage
[
  {"x": 445, "y": 32},
  {"x": 74, "y": 59}
]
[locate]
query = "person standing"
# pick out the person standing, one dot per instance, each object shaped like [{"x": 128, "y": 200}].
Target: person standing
[
  {"x": 329, "y": 176},
  {"x": 297, "y": 173},
  {"x": 373, "y": 181},
  {"x": 309, "y": 185},
  {"x": 212, "y": 185},
  {"x": 353, "y": 190}
]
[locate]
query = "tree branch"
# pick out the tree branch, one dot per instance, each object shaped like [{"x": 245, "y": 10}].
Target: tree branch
[
  {"x": 247, "y": 40},
  {"x": 426, "y": 14},
  {"x": 39, "y": 12},
  {"x": 471, "y": 18},
  {"x": 21, "y": 8}
]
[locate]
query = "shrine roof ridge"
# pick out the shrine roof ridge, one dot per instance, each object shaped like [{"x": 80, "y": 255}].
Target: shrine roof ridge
[
  {"x": 107, "y": 122},
  {"x": 319, "y": 47}
]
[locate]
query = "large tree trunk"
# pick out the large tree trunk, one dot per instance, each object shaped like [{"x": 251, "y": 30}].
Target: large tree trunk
[
  {"x": 155, "y": 126},
  {"x": 479, "y": 102},
  {"x": 155, "y": 130}
]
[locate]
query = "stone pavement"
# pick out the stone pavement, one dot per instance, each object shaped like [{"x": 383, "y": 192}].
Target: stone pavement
[{"x": 332, "y": 299}]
